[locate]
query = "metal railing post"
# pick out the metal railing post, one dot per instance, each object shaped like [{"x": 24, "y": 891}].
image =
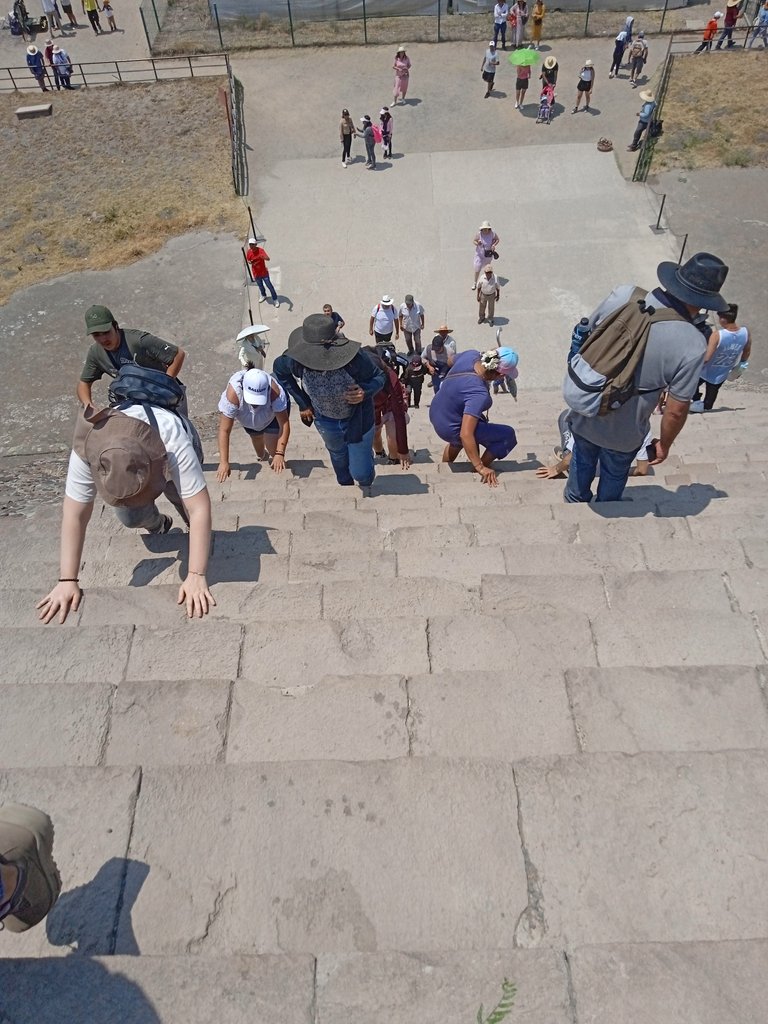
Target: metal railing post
[
  {"x": 663, "y": 15},
  {"x": 83, "y": 74},
  {"x": 439, "y": 2},
  {"x": 191, "y": 69},
  {"x": 290, "y": 21},
  {"x": 155, "y": 70},
  {"x": 117, "y": 69},
  {"x": 253, "y": 226},
  {"x": 146, "y": 30},
  {"x": 685, "y": 242},
  {"x": 586, "y": 21},
  {"x": 218, "y": 24},
  {"x": 661, "y": 209},
  {"x": 13, "y": 81},
  {"x": 155, "y": 13},
  {"x": 365, "y": 24}
]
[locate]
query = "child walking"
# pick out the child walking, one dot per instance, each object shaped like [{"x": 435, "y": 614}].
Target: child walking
[{"x": 110, "y": 13}]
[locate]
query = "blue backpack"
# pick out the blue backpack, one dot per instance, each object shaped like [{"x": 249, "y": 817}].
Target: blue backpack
[{"x": 141, "y": 385}]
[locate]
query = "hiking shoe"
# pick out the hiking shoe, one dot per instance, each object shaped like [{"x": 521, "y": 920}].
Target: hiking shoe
[{"x": 26, "y": 842}]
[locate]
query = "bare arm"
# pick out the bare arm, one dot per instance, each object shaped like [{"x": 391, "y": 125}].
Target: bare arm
[
  {"x": 712, "y": 343},
  {"x": 175, "y": 367},
  {"x": 469, "y": 444},
  {"x": 370, "y": 326},
  {"x": 65, "y": 596},
  {"x": 194, "y": 590},
  {"x": 278, "y": 460},
  {"x": 672, "y": 422},
  {"x": 746, "y": 351},
  {"x": 84, "y": 388},
  {"x": 225, "y": 432}
]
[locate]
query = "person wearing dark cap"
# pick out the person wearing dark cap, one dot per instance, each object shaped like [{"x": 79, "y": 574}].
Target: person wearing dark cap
[
  {"x": 333, "y": 384},
  {"x": 671, "y": 362},
  {"x": 114, "y": 346}
]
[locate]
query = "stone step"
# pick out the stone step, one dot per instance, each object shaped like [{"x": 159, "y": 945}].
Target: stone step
[
  {"x": 347, "y": 858},
  {"x": 642, "y": 982}
]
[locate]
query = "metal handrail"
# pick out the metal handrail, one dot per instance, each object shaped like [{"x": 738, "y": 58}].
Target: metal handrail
[{"x": 113, "y": 72}]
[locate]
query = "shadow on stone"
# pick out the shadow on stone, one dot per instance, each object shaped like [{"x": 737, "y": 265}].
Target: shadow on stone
[
  {"x": 653, "y": 500},
  {"x": 86, "y": 918},
  {"x": 56, "y": 989}
]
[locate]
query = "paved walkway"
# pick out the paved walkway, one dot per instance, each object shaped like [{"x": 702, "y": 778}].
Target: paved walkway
[{"x": 432, "y": 736}]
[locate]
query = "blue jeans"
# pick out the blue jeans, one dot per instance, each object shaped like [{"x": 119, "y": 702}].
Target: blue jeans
[
  {"x": 147, "y": 517},
  {"x": 437, "y": 379},
  {"x": 500, "y": 30},
  {"x": 614, "y": 470},
  {"x": 260, "y": 281},
  {"x": 352, "y": 463}
]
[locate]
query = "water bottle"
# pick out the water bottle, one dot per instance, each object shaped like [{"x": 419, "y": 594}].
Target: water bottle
[{"x": 579, "y": 336}]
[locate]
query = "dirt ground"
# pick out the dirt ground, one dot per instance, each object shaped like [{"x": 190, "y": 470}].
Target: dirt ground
[
  {"x": 712, "y": 116},
  {"x": 110, "y": 177},
  {"x": 188, "y": 28}
]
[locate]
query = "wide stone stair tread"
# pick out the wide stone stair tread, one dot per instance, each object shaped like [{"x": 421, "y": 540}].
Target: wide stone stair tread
[{"x": 432, "y": 735}]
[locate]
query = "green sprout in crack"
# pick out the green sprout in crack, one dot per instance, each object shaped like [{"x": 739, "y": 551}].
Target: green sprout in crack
[{"x": 504, "y": 1006}]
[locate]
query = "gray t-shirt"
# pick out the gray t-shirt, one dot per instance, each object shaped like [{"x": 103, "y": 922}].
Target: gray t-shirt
[
  {"x": 672, "y": 361},
  {"x": 135, "y": 346}
]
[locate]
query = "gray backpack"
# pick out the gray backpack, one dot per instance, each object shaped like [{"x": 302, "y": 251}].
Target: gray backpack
[{"x": 601, "y": 375}]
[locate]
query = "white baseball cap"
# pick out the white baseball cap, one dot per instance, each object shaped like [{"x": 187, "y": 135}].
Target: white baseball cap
[{"x": 256, "y": 387}]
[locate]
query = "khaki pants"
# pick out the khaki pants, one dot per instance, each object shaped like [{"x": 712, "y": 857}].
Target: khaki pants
[{"x": 490, "y": 302}]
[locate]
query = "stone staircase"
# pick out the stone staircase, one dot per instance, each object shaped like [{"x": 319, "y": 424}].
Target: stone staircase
[{"x": 431, "y": 737}]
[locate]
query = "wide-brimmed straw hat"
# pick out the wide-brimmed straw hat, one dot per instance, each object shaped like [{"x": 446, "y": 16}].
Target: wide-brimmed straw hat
[
  {"x": 550, "y": 62},
  {"x": 697, "y": 282},
  {"x": 316, "y": 346},
  {"x": 443, "y": 327},
  {"x": 647, "y": 96},
  {"x": 32, "y": 50}
]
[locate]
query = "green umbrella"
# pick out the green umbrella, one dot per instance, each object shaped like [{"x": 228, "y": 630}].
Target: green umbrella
[{"x": 523, "y": 58}]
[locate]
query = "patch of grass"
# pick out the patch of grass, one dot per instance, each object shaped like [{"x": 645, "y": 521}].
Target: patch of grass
[
  {"x": 142, "y": 177},
  {"x": 710, "y": 113}
]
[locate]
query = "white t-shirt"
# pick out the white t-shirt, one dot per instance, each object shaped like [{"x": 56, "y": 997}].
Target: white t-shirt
[
  {"x": 384, "y": 319},
  {"x": 487, "y": 285},
  {"x": 183, "y": 464},
  {"x": 252, "y": 417},
  {"x": 490, "y": 62}
]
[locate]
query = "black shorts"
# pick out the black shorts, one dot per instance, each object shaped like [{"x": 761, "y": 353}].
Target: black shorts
[
  {"x": 488, "y": 77},
  {"x": 584, "y": 86},
  {"x": 271, "y": 428},
  {"x": 521, "y": 84}
]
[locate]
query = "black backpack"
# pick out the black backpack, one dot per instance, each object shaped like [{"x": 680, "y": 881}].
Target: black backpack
[{"x": 141, "y": 385}]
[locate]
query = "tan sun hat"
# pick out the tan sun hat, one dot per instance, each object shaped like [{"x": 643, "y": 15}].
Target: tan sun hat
[
  {"x": 647, "y": 96},
  {"x": 588, "y": 64},
  {"x": 443, "y": 327},
  {"x": 485, "y": 226},
  {"x": 550, "y": 62}
]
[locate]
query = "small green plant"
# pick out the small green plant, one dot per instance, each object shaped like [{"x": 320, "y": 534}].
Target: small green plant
[
  {"x": 504, "y": 1006},
  {"x": 738, "y": 158},
  {"x": 111, "y": 215}
]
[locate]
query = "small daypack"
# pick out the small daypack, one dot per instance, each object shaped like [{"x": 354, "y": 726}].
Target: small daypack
[
  {"x": 126, "y": 456},
  {"x": 601, "y": 375},
  {"x": 141, "y": 385}
]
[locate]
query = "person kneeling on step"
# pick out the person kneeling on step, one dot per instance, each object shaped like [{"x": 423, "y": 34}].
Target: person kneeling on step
[
  {"x": 130, "y": 454},
  {"x": 458, "y": 410}
]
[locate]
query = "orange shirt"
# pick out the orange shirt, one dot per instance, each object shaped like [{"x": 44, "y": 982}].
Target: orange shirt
[{"x": 711, "y": 29}]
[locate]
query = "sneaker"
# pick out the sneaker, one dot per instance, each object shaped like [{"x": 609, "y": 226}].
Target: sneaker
[
  {"x": 575, "y": 110},
  {"x": 517, "y": 106},
  {"x": 262, "y": 298},
  {"x": 696, "y": 407},
  {"x": 480, "y": 320},
  {"x": 586, "y": 106},
  {"x": 164, "y": 527},
  {"x": 610, "y": 75},
  {"x": 26, "y": 842},
  {"x": 277, "y": 303}
]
